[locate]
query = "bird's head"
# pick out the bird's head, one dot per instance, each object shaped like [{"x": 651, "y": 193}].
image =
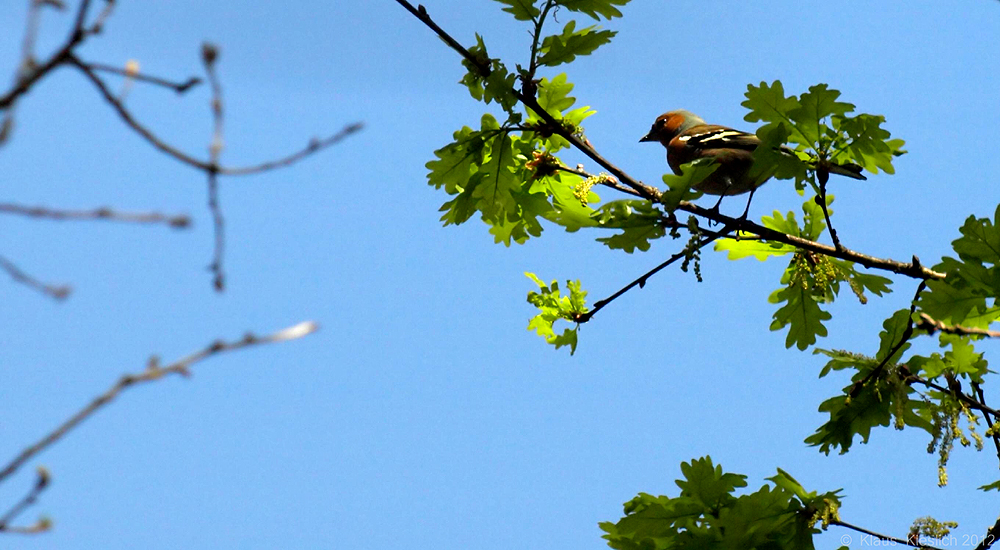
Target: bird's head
[{"x": 668, "y": 125}]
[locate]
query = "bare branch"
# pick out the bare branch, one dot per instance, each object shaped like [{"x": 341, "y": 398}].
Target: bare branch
[
  {"x": 26, "y": 79},
  {"x": 41, "y": 483},
  {"x": 179, "y": 87},
  {"x": 209, "y": 55},
  {"x": 154, "y": 371},
  {"x": 59, "y": 292},
  {"x": 989, "y": 421},
  {"x": 314, "y": 146},
  {"x": 103, "y": 213}
]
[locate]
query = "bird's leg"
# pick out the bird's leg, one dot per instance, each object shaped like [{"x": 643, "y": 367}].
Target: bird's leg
[
  {"x": 715, "y": 209},
  {"x": 747, "y": 210}
]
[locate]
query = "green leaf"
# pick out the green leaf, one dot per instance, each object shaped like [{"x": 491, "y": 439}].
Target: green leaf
[
  {"x": 594, "y": 8},
  {"x": 706, "y": 482},
  {"x": 563, "y": 48},
  {"x": 980, "y": 240},
  {"x": 523, "y": 10},
  {"x": 681, "y": 188},
  {"x": 639, "y": 221},
  {"x": 816, "y": 105},
  {"x": 709, "y": 515},
  {"x": 746, "y": 247},
  {"x": 946, "y": 303},
  {"x": 866, "y": 143},
  {"x": 553, "y": 95},
  {"x": 498, "y": 86},
  {"x": 769, "y": 104},
  {"x": 553, "y": 306},
  {"x": 860, "y": 282},
  {"x": 801, "y": 314},
  {"x": 455, "y": 163},
  {"x": 995, "y": 486},
  {"x": 893, "y": 332}
]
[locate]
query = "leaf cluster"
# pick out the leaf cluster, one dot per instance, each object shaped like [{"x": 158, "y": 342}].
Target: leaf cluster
[
  {"x": 553, "y": 306},
  {"x": 822, "y": 133},
  {"x": 810, "y": 281},
  {"x": 708, "y": 513}
]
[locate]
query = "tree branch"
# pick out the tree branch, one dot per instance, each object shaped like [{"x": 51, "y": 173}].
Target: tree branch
[
  {"x": 880, "y": 536},
  {"x": 154, "y": 371},
  {"x": 641, "y": 281},
  {"x": 914, "y": 269},
  {"x": 25, "y": 81},
  {"x": 41, "y": 483},
  {"x": 59, "y": 292},
  {"x": 991, "y": 537},
  {"x": 932, "y": 325},
  {"x": 989, "y": 422},
  {"x": 179, "y": 87},
  {"x": 103, "y": 213}
]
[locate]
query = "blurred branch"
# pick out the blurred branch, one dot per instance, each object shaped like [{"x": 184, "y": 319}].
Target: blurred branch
[
  {"x": 59, "y": 292},
  {"x": 209, "y": 55},
  {"x": 41, "y": 483},
  {"x": 179, "y": 87},
  {"x": 29, "y": 72},
  {"x": 154, "y": 371},
  {"x": 103, "y": 213},
  {"x": 315, "y": 145}
]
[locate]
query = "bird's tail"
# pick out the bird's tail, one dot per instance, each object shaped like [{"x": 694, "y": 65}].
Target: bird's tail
[{"x": 847, "y": 169}]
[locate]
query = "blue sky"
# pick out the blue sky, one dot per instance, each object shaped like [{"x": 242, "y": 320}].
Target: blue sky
[{"x": 423, "y": 414}]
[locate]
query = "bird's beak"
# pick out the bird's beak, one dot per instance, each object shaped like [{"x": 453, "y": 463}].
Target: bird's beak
[{"x": 647, "y": 137}]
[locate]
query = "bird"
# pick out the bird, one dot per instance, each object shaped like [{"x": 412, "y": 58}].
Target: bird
[{"x": 688, "y": 138}]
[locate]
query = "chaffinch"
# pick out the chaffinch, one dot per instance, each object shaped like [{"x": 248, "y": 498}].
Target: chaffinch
[{"x": 687, "y": 138}]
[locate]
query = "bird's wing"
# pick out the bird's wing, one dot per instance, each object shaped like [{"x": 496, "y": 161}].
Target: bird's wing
[{"x": 718, "y": 137}]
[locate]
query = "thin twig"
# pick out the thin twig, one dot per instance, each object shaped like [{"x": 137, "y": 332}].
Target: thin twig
[
  {"x": 59, "y": 292},
  {"x": 612, "y": 183},
  {"x": 932, "y": 325},
  {"x": 903, "y": 339},
  {"x": 881, "y": 536},
  {"x": 187, "y": 159},
  {"x": 972, "y": 402},
  {"x": 914, "y": 270},
  {"x": 24, "y": 82},
  {"x": 41, "y": 483},
  {"x": 989, "y": 422},
  {"x": 209, "y": 55},
  {"x": 154, "y": 371},
  {"x": 823, "y": 175},
  {"x": 179, "y": 87},
  {"x": 102, "y": 213},
  {"x": 641, "y": 281},
  {"x": 314, "y": 146}
]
